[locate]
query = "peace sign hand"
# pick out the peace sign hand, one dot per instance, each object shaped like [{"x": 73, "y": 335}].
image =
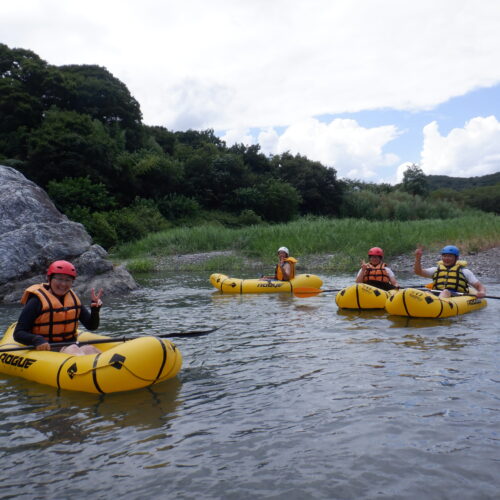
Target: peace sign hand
[{"x": 95, "y": 300}]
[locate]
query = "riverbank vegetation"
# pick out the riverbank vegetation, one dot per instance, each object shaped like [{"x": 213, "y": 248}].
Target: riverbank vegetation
[
  {"x": 345, "y": 241},
  {"x": 77, "y": 132}
]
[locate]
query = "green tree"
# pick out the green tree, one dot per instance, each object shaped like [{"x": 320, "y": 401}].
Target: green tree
[
  {"x": 93, "y": 90},
  {"x": 25, "y": 86},
  {"x": 164, "y": 138},
  {"x": 485, "y": 198},
  {"x": 80, "y": 191},
  {"x": 415, "y": 181},
  {"x": 147, "y": 174},
  {"x": 68, "y": 144},
  {"x": 320, "y": 191},
  {"x": 257, "y": 162},
  {"x": 198, "y": 139},
  {"x": 273, "y": 200}
]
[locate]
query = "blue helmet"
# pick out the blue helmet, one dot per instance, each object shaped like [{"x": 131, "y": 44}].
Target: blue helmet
[{"x": 450, "y": 249}]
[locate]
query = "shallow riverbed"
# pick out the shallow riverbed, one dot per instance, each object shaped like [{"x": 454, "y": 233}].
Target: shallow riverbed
[{"x": 291, "y": 398}]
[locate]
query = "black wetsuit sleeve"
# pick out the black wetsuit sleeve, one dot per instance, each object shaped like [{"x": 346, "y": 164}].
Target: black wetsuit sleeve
[
  {"x": 90, "y": 320},
  {"x": 30, "y": 312}
]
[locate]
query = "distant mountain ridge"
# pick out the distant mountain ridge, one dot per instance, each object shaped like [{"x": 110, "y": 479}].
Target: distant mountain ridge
[{"x": 460, "y": 183}]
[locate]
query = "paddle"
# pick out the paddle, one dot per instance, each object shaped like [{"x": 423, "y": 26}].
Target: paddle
[
  {"x": 457, "y": 294},
  {"x": 306, "y": 291},
  {"x": 112, "y": 340},
  {"x": 310, "y": 291},
  {"x": 62, "y": 344}
]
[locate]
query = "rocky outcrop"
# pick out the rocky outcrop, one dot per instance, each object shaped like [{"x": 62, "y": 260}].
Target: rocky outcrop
[{"x": 33, "y": 233}]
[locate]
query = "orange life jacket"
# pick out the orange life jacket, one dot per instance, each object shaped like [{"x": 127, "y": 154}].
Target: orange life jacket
[
  {"x": 279, "y": 271},
  {"x": 376, "y": 273},
  {"x": 57, "y": 321}
]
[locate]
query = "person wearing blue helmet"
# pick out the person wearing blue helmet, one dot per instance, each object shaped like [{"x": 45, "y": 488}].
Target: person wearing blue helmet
[{"x": 450, "y": 275}]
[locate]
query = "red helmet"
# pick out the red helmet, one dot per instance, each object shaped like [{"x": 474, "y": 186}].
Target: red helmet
[
  {"x": 61, "y": 267},
  {"x": 376, "y": 251}
]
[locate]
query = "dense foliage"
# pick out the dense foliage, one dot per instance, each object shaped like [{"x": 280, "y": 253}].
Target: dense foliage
[
  {"x": 459, "y": 183},
  {"x": 78, "y": 132}
]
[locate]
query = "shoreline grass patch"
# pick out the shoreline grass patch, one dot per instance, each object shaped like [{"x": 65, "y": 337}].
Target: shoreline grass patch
[{"x": 347, "y": 240}]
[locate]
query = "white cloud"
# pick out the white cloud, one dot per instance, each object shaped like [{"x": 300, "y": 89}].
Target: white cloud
[
  {"x": 267, "y": 64},
  {"x": 236, "y": 66},
  {"x": 238, "y": 136},
  {"x": 400, "y": 172},
  {"x": 354, "y": 151},
  {"x": 268, "y": 140},
  {"x": 465, "y": 152}
]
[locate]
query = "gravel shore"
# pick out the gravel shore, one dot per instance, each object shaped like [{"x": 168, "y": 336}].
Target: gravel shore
[{"x": 483, "y": 264}]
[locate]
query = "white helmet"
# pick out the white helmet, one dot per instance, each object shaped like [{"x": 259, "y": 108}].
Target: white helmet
[{"x": 283, "y": 249}]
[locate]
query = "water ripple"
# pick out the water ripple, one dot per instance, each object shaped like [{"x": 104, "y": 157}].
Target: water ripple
[{"x": 290, "y": 399}]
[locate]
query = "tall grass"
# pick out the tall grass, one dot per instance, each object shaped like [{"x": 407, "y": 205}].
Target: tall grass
[{"x": 347, "y": 240}]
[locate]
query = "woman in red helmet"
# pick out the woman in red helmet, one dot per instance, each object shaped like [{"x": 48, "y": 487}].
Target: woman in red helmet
[
  {"x": 52, "y": 311},
  {"x": 375, "y": 272}
]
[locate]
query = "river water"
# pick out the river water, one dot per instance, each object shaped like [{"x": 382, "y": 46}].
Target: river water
[{"x": 289, "y": 399}]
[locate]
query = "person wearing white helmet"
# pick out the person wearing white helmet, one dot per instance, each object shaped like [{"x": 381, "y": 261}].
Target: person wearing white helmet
[
  {"x": 450, "y": 275},
  {"x": 285, "y": 269}
]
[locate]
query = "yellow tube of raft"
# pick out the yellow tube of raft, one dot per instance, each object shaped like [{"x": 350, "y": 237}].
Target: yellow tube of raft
[
  {"x": 362, "y": 296},
  {"x": 237, "y": 286},
  {"x": 121, "y": 366},
  {"x": 423, "y": 304}
]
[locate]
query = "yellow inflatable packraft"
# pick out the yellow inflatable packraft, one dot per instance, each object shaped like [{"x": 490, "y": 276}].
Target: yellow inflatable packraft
[
  {"x": 424, "y": 304},
  {"x": 235, "y": 285},
  {"x": 121, "y": 366},
  {"x": 362, "y": 296}
]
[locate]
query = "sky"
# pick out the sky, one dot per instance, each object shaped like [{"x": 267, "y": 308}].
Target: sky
[{"x": 367, "y": 87}]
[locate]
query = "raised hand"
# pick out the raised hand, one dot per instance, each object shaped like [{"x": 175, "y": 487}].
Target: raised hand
[{"x": 95, "y": 299}]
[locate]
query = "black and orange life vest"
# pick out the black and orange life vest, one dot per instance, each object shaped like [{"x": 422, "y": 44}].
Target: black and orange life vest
[
  {"x": 450, "y": 278},
  {"x": 57, "y": 321},
  {"x": 279, "y": 271},
  {"x": 376, "y": 273}
]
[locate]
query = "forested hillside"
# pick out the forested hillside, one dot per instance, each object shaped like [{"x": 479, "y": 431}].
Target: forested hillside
[
  {"x": 460, "y": 183},
  {"x": 77, "y": 131}
]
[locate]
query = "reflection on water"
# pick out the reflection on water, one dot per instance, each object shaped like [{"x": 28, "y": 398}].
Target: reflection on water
[
  {"x": 119, "y": 409},
  {"x": 419, "y": 342},
  {"x": 405, "y": 322},
  {"x": 290, "y": 398}
]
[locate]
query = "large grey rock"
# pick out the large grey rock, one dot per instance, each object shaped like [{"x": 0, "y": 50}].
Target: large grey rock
[{"x": 33, "y": 233}]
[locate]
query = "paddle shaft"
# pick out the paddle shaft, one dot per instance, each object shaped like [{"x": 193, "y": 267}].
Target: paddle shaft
[
  {"x": 63, "y": 344},
  {"x": 112, "y": 340},
  {"x": 457, "y": 294},
  {"x": 310, "y": 291}
]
